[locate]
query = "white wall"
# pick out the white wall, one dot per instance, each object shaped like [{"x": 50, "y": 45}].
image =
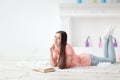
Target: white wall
[
  {"x": 81, "y": 21},
  {"x": 27, "y": 26},
  {"x": 95, "y": 27}
]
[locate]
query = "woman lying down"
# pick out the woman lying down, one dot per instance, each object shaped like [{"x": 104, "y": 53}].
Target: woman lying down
[{"x": 63, "y": 56}]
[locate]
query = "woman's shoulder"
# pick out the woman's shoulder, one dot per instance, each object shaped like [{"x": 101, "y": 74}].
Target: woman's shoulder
[
  {"x": 68, "y": 45},
  {"x": 69, "y": 49}
]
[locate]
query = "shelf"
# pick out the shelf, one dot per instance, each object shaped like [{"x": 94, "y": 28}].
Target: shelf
[
  {"x": 76, "y": 5},
  {"x": 89, "y": 10}
]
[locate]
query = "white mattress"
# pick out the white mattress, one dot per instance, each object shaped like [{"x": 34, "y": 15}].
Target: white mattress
[{"x": 21, "y": 69}]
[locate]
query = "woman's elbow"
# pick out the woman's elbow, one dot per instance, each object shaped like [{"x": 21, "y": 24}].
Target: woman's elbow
[
  {"x": 53, "y": 65},
  {"x": 67, "y": 65}
]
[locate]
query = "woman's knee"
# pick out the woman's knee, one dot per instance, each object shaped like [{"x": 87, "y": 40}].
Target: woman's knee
[{"x": 113, "y": 61}]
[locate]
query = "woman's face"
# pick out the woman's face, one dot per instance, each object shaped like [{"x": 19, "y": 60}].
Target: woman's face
[{"x": 57, "y": 39}]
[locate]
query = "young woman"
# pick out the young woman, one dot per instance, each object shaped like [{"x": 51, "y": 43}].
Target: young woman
[{"x": 63, "y": 55}]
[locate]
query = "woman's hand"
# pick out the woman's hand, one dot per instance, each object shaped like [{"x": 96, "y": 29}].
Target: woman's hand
[
  {"x": 53, "y": 62},
  {"x": 52, "y": 47}
]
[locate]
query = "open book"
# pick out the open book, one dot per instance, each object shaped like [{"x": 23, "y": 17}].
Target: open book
[{"x": 44, "y": 70}]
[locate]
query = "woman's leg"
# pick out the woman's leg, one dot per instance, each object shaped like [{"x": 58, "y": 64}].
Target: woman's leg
[
  {"x": 111, "y": 50},
  {"x": 109, "y": 53},
  {"x": 105, "y": 47},
  {"x": 107, "y": 36},
  {"x": 96, "y": 60}
]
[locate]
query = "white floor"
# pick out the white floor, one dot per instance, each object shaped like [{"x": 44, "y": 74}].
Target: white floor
[{"x": 10, "y": 70}]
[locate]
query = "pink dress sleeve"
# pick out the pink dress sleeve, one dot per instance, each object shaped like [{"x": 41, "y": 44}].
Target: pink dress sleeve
[
  {"x": 55, "y": 55},
  {"x": 70, "y": 51}
]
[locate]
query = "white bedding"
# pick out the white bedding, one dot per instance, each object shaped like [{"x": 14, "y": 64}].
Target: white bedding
[
  {"x": 105, "y": 67},
  {"x": 22, "y": 70}
]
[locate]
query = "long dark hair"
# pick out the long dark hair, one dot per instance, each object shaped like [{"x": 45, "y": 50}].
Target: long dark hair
[{"x": 62, "y": 56}]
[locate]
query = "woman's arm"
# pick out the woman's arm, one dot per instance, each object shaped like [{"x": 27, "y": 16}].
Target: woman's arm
[
  {"x": 69, "y": 53},
  {"x": 53, "y": 61},
  {"x": 68, "y": 61}
]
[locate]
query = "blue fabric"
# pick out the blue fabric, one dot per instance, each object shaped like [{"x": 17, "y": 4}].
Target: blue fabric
[
  {"x": 109, "y": 53},
  {"x": 96, "y": 60}
]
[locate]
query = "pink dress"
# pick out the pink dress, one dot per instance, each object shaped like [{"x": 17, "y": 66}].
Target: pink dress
[{"x": 77, "y": 60}]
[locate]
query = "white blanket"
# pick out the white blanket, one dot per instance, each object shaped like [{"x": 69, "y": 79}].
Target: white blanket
[{"x": 100, "y": 68}]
